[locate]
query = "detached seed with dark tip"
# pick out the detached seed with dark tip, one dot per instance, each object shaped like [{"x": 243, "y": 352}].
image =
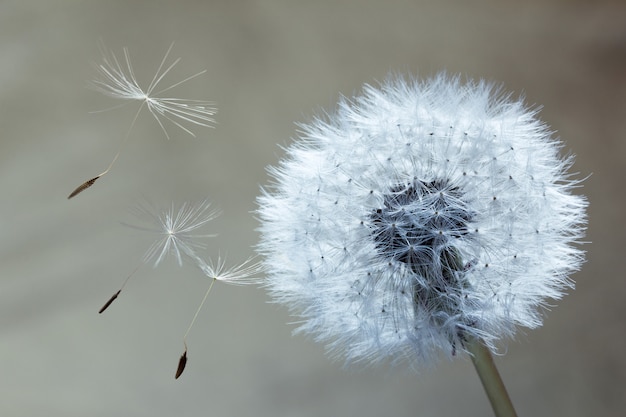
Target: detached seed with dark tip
[
  {"x": 108, "y": 303},
  {"x": 83, "y": 187},
  {"x": 181, "y": 365}
]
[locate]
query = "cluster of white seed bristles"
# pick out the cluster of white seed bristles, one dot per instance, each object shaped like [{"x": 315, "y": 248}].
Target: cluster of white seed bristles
[
  {"x": 419, "y": 215},
  {"x": 117, "y": 80},
  {"x": 176, "y": 229}
]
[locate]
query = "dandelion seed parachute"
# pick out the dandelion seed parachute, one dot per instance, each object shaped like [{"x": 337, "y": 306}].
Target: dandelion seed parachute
[
  {"x": 419, "y": 215},
  {"x": 177, "y": 230},
  {"x": 117, "y": 80}
]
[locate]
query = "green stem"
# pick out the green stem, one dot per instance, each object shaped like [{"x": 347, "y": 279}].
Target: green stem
[{"x": 489, "y": 376}]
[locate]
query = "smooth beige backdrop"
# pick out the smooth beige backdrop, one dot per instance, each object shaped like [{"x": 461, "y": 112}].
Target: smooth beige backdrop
[{"x": 271, "y": 64}]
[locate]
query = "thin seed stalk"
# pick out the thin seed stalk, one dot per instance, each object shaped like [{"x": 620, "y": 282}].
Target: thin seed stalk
[{"x": 490, "y": 378}]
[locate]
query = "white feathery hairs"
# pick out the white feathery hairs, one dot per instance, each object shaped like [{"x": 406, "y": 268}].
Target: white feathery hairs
[{"x": 422, "y": 217}]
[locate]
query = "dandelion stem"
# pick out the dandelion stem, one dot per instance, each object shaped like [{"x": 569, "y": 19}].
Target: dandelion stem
[{"x": 490, "y": 378}]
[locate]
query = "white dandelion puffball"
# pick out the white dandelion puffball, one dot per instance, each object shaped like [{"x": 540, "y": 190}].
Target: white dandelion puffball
[{"x": 418, "y": 216}]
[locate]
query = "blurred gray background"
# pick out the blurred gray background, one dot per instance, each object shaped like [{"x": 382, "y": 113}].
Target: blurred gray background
[{"x": 270, "y": 64}]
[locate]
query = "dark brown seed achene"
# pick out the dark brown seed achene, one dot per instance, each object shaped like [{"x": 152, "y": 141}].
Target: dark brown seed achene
[
  {"x": 108, "y": 303},
  {"x": 181, "y": 365},
  {"x": 83, "y": 187}
]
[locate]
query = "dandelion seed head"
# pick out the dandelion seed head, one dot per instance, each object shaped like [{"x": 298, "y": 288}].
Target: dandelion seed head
[{"x": 418, "y": 215}]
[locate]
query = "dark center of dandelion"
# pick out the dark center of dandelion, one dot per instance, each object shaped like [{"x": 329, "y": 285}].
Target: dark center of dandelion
[{"x": 419, "y": 224}]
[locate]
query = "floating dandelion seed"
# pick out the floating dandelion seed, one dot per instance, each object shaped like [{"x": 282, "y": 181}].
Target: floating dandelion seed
[
  {"x": 419, "y": 217},
  {"x": 242, "y": 274},
  {"x": 177, "y": 229},
  {"x": 117, "y": 80}
]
